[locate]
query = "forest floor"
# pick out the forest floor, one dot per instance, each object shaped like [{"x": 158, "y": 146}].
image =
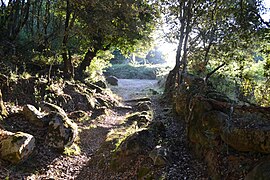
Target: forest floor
[{"x": 97, "y": 143}]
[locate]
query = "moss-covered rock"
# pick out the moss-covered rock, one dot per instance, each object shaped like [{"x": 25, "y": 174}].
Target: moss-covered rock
[
  {"x": 142, "y": 119},
  {"x": 144, "y": 106},
  {"x": 61, "y": 131},
  {"x": 16, "y": 147},
  {"x": 215, "y": 122},
  {"x": 251, "y": 139},
  {"x": 137, "y": 144}
]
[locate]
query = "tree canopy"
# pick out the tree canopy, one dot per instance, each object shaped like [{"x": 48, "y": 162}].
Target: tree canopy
[
  {"x": 212, "y": 35},
  {"x": 64, "y": 28}
]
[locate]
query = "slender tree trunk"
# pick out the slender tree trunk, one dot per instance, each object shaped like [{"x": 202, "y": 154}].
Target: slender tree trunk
[
  {"x": 39, "y": 13},
  {"x": 46, "y": 24},
  {"x": 172, "y": 81},
  {"x": 68, "y": 66},
  {"x": 185, "y": 49}
]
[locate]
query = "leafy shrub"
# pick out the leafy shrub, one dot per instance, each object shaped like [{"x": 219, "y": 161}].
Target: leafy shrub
[
  {"x": 135, "y": 71},
  {"x": 98, "y": 64}
]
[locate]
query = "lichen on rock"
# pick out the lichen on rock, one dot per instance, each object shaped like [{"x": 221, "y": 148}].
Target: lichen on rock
[
  {"x": 61, "y": 131},
  {"x": 16, "y": 147},
  {"x": 34, "y": 116}
]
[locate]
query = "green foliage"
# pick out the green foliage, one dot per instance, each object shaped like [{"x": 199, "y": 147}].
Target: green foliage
[
  {"x": 133, "y": 71},
  {"x": 229, "y": 32},
  {"x": 141, "y": 56},
  {"x": 117, "y": 24},
  {"x": 40, "y": 30},
  {"x": 74, "y": 149},
  {"x": 42, "y": 60},
  {"x": 98, "y": 64},
  {"x": 118, "y": 58},
  {"x": 252, "y": 86}
]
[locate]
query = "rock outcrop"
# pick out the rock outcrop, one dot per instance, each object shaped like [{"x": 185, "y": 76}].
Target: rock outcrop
[
  {"x": 214, "y": 122},
  {"x": 137, "y": 144},
  {"x": 61, "y": 130},
  {"x": 141, "y": 119}
]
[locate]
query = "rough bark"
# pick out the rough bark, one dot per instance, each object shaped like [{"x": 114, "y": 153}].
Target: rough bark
[{"x": 174, "y": 78}]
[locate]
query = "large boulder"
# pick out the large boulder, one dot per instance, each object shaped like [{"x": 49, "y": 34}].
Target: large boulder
[
  {"x": 243, "y": 128},
  {"x": 34, "y": 116},
  {"x": 135, "y": 145},
  {"x": 62, "y": 131},
  {"x": 215, "y": 122},
  {"x": 15, "y": 147},
  {"x": 248, "y": 130}
]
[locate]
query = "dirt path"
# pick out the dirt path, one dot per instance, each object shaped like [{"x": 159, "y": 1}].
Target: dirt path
[
  {"x": 181, "y": 162},
  {"x": 134, "y": 88},
  {"x": 98, "y": 139}
]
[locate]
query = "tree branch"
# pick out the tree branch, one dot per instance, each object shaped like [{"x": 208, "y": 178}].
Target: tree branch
[{"x": 212, "y": 72}]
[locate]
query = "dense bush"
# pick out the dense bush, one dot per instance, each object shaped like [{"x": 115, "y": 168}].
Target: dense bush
[{"x": 134, "y": 71}]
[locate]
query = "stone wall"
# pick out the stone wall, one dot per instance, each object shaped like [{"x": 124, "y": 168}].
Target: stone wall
[{"x": 215, "y": 122}]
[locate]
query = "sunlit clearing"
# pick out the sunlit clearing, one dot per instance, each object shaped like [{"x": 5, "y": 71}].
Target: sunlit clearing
[{"x": 169, "y": 50}]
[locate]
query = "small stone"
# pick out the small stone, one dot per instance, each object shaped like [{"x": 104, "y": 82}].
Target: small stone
[{"x": 112, "y": 80}]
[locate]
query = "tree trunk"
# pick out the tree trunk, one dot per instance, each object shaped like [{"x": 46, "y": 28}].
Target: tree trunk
[
  {"x": 172, "y": 81},
  {"x": 89, "y": 56},
  {"x": 185, "y": 48},
  {"x": 68, "y": 65}
]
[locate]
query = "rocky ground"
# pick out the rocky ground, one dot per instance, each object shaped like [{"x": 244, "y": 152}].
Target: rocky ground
[{"x": 104, "y": 142}]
